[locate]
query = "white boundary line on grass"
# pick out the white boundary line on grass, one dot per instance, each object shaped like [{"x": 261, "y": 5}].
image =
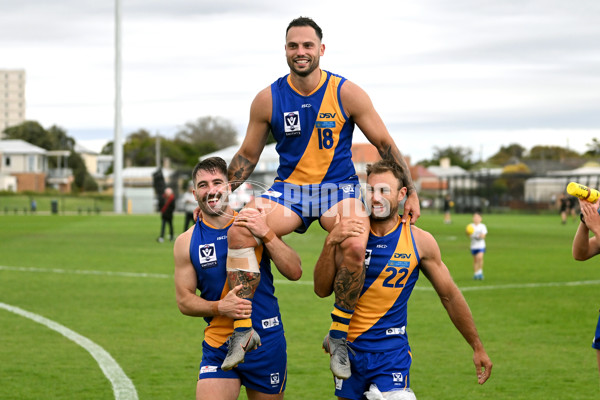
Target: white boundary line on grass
[
  {"x": 280, "y": 281},
  {"x": 122, "y": 386}
]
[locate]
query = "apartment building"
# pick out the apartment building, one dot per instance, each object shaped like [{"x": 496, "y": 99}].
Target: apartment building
[{"x": 12, "y": 97}]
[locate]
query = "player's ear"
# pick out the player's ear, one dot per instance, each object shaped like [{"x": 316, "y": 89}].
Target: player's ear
[
  {"x": 322, "y": 49},
  {"x": 402, "y": 193}
]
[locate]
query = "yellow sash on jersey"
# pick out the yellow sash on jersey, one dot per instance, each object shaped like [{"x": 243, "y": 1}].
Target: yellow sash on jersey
[
  {"x": 319, "y": 152},
  {"x": 377, "y": 300}
]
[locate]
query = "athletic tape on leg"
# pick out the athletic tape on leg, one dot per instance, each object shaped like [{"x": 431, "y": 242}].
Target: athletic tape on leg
[{"x": 242, "y": 259}]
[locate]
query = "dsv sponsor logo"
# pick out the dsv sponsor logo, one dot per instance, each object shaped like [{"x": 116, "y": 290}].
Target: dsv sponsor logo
[
  {"x": 327, "y": 115},
  {"x": 402, "y": 256}
]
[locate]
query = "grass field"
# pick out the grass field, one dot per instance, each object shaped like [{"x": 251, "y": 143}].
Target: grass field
[{"x": 107, "y": 279}]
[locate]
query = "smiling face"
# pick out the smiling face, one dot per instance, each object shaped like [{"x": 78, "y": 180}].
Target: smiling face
[
  {"x": 303, "y": 50},
  {"x": 384, "y": 195},
  {"x": 211, "y": 192}
]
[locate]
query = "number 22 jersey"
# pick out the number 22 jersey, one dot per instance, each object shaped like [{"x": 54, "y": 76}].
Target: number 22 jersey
[{"x": 392, "y": 269}]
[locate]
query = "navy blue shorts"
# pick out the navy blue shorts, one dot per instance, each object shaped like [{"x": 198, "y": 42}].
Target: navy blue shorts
[
  {"x": 476, "y": 251},
  {"x": 264, "y": 369},
  {"x": 310, "y": 202},
  {"x": 389, "y": 370}
]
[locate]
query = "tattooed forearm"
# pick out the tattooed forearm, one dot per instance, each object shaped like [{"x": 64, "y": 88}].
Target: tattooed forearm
[
  {"x": 392, "y": 153},
  {"x": 347, "y": 287},
  {"x": 250, "y": 280},
  {"x": 239, "y": 170}
]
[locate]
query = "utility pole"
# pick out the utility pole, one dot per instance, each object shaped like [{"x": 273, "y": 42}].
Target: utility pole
[{"x": 118, "y": 142}]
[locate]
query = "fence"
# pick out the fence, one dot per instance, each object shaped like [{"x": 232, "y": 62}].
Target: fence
[
  {"x": 59, "y": 204},
  {"x": 487, "y": 192}
]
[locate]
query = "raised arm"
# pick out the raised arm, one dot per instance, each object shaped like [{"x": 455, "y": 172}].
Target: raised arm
[
  {"x": 358, "y": 105},
  {"x": 246, "y": 158},
  {"x": 284, "y": 257},
  {"x": 185, "y": 288},
  {"x": 453, "y": 300},
  {"x": 584, "y": 246}
]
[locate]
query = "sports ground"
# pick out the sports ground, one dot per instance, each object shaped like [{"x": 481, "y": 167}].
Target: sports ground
[{"x": 87, "y": 311}]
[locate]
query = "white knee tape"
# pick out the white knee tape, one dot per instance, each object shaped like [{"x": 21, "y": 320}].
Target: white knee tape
[{"x": 242, "y": 259}]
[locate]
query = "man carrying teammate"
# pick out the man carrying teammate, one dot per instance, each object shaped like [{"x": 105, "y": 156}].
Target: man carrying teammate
[
  {"x": 379, "y": 351},
  {"x": 200, "y": 256}
]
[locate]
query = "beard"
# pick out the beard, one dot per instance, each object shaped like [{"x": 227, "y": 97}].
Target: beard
[
  {"x": 312, "y": 65},
  {"x": 219, "y": 208},
  {"x": 388, "y": 214}
]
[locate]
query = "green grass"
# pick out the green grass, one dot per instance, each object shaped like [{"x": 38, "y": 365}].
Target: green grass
[{"x": 536, "y": 329}]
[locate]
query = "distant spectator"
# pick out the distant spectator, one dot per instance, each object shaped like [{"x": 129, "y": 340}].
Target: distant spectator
[
  {"x": 448, "y": 204},
  {"x": 563, "y": 203},
  {"x": 166, "y": 204},
  {"x": 33, "y": 205},
  {"x": 189, "y": 204}
]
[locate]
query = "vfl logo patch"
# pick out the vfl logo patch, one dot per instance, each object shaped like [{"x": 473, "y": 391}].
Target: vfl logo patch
[
  {"x": 397, "y": 377},
  {"x": 208, "y": 255},
  {"x": 348, "y": 188},
  {"x": 368, "y": 257},
  {"x": 292, "y": 123},
  {"x": 208, "y": 368},
  {"x": 275, "y": 378},
  {"x": 270, "y": 322},
  {"x": 395, "y": 331}
]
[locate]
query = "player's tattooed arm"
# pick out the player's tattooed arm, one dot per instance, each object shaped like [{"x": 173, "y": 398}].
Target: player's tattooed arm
[
  {"x": 392, "y": 153},
  {"x": 347, "y": 287},
  {"x": 239, "y": 170}
]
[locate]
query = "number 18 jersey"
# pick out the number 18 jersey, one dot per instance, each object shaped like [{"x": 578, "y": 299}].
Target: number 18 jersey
[{"x": 313, "y": 133}]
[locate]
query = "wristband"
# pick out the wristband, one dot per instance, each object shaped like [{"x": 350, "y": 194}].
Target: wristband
[
  {"x": 214, "y": 306},
  {"x": 269, "y": 236}
]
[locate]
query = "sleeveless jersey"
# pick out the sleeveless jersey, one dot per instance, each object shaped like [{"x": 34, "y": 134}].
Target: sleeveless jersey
[
  {"x": 392, "y": 269},
  {"x": 208, "y": 252},
  {"x": 313, "y": 133}
]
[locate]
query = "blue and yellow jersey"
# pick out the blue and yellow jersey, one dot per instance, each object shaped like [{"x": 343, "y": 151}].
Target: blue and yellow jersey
[
  {"x": 392, "y": 269},
  {"x": 313, "y": 133},
  {"x": 208, "y": 252}
]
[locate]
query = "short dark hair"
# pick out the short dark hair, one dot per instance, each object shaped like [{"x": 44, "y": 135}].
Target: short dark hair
[
  {"x": 211, "y": 164},
  {"x": 305, "y": 21},
  {"x": 385, "y": 165}
]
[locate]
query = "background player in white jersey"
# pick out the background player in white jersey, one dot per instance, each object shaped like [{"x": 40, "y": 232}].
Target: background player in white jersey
[
  {"x": 586, "y": 247},
  {"x": 477, "y": 236},
  {"x": 200, "y": 255},
  {"x": 396, "y": 252}
]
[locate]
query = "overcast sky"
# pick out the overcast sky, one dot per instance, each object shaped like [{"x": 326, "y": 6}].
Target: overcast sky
[{"x": 473, "y": 73}]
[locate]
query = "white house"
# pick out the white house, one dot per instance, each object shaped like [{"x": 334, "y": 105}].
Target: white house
[{"x": 23, "y": 166}]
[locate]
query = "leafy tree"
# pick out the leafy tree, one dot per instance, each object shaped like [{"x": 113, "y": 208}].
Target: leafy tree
[
  {"x": 31, "y": 132},
  {"x": 140, "y": 149},
  {"x": 205, "y": 135},
  {"x": 460, "y": 156},
  {"x": 506, "y": 153},
  {"x": 209, "y": 129},
  {"x": 551, "y": 153},
  {"x": 594, "y": 148}
]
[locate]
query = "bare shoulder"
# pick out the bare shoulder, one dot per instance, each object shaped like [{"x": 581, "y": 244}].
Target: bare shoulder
[
  {"x": 182, "y": 243},
  {"x": 426, "y": 243},
  {"x": 354, "y": 99}
]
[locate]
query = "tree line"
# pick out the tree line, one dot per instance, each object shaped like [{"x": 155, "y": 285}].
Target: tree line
[{"x": 208, "y": 134}]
